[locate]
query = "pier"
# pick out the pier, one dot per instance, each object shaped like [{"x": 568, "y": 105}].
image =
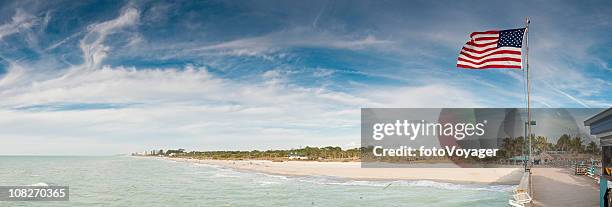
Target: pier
[{"x": 560, "y": 187}]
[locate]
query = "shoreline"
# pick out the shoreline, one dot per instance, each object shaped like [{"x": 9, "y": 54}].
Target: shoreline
[{"x": 353, "y": 170}]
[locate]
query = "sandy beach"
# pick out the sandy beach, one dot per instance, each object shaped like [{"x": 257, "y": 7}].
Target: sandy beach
[{"x": 353, "y": 170}]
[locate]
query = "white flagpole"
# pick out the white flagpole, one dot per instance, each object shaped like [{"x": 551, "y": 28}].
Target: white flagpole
[{"x": 528, "y": 88}]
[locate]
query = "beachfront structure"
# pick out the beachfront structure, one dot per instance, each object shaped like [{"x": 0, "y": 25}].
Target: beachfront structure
[
  {"x": 600, "y": 125},
  {"x": 295, "y": 156}
]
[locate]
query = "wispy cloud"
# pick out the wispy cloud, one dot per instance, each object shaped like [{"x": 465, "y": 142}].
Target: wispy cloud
[
  {"x": 296, "y": 37},
  {"x": 14, "y": 73},
  {"x": 20, "y": 21},
  {"x": 92, "y": 44}
]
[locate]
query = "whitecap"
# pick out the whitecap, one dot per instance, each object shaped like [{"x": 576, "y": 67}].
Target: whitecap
[
  {"x": 274, "y": 176},
  {"x": 264, "y": 183},
  {"x": 39, "y": 184},
  {"x": 452, "y": 186},
  {"x": 322, "y": 180}
]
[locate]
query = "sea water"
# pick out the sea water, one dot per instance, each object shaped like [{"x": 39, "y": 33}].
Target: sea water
[{"x": 138, "y": 181}]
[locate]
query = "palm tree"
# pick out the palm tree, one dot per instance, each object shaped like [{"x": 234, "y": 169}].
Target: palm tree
[
  {"x": 563, "y": 142},
  {"x": 576, "y": 144},
  {"x": 508, "y": 146},
  {"x": 592, "y": 147},
  {"x": 541, "y": 143}
]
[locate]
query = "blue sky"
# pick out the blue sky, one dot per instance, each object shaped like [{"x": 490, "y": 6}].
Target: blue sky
[{"x": 105, "y": 77}]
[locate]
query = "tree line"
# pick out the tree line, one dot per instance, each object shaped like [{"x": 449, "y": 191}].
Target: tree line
[
  {"x": 515, "y": 146},
  {"x": 312, "y": 153}
]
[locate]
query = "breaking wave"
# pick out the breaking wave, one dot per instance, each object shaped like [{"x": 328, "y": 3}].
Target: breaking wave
[{"x": 267, "y": 179}]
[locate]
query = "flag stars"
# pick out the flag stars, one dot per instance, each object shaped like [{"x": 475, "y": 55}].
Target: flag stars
[{"x": 511, "y": 38}]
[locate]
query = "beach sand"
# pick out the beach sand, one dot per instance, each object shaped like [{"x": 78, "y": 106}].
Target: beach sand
[{"x": 353, "y": 170}]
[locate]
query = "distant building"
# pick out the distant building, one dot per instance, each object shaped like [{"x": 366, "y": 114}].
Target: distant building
[
  {"x": 600, "y": 125},
  {"x": 295, "y": 156}
]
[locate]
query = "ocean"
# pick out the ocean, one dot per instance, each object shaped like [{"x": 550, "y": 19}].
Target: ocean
[{"x": 139, "y": 181}]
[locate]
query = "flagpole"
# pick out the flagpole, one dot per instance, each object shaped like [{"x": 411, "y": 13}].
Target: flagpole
[{"x": 528, "y": 136}]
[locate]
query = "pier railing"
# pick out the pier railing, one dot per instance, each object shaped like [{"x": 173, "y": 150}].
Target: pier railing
[{"x": 521, "y": 195}]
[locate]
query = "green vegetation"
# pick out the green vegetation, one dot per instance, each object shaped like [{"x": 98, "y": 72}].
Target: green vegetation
[
  {"x": 515, "y": 146},
  {"x": 309, "y": 153}
]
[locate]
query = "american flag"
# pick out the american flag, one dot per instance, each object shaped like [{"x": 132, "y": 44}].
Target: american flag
[{"x": 492, "y": 49}]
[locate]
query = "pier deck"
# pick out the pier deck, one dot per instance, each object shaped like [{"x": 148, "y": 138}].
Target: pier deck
[{"x": 560, "y": 187}]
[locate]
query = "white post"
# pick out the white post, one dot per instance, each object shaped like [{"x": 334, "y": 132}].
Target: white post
[{"x": 528, "y": 89}]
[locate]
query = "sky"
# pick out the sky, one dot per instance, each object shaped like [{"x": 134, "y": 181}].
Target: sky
[{"x": 110, "y": 77}]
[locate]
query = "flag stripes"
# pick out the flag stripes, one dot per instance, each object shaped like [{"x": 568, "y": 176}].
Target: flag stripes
[{"x": 492, "y": 49}]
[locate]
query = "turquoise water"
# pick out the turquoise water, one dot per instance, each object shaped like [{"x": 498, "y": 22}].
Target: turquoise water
[{"x": 133, "y": 181}]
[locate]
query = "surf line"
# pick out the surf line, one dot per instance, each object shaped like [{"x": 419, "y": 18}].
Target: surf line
[{"x": 405, "y": 151}]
